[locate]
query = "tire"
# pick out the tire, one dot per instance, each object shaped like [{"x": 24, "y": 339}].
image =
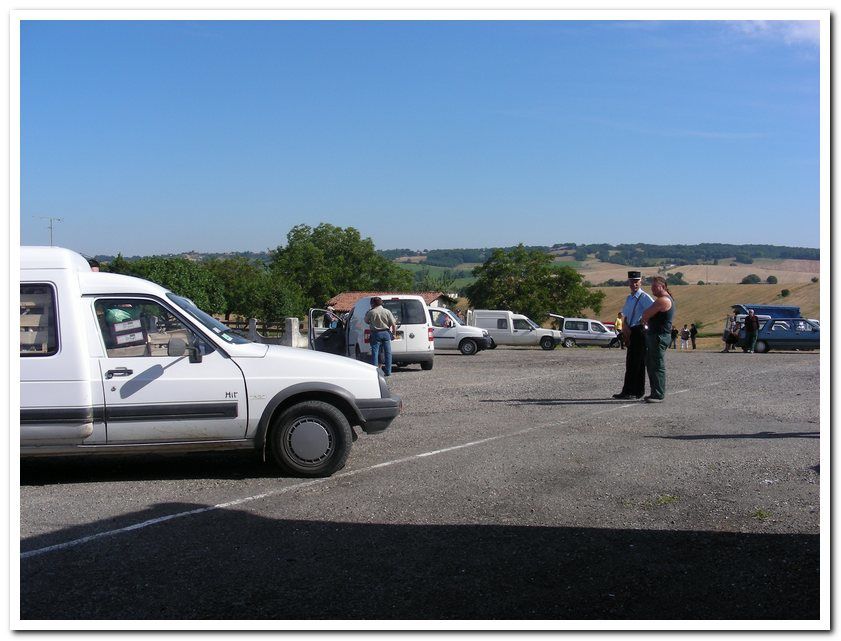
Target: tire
[
  {"x": 762, "y": 347},
  {"x": 615, "y": 343},
  {"x": 426, "y": 366},
  {"x": 547, "y": 343},
  {"x": 468, "y": 347},
  {"x": 492, "y": 345},
  {"x": 569, "y": 342},
  {"x": 311, "y": 439}
]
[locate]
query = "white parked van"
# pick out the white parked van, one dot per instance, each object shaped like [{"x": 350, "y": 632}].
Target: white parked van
[
  {"x": 507, "y": 328},
  {"x": 451, "y": 333},
  {"x": 111, "y": 363},
  {"x": 414, "y": 342}
]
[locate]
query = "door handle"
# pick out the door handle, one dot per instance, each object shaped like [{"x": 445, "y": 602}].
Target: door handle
[{"x": 120, "y": 371}]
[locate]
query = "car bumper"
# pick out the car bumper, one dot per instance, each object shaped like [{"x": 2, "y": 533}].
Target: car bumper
[{"x": 378, "y": 413}]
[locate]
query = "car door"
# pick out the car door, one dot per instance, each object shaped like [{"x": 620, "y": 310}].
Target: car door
[
  {"x": 152, "y": 396},
  {"x": 444, "y": 329},
  {"x": 523, "y": 332},
  {"x": 599, "y": 335},
  {"x": 806, "y": 335},
  {"x": 326, "y": 332}
]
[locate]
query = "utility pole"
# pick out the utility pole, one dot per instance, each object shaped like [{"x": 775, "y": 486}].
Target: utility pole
[{"x": 52, "y": 219}]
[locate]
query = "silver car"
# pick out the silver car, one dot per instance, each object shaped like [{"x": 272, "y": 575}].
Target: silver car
[{"x": 586, "y": 331}]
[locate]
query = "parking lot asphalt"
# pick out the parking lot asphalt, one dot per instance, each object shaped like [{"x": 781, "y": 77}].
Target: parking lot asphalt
[{"x": 511, "y": 487}]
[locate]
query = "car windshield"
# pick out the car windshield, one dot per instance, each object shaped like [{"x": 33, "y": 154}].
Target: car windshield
[
  {"x": 532, "y": 323},
  {"x": 219, "y": 329}
]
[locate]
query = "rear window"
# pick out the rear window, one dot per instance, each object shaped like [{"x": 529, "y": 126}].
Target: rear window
[
  {"x": 575, "y": 326},
  {"x": 38, "y": 328},
  {"x": 407, "y": 312}
]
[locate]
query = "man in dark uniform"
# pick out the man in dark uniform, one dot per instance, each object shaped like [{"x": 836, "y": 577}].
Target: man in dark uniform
[{"x": 633, "y": 330}]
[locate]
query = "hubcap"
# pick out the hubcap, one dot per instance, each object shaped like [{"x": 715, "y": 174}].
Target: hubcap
[{"x": 309, "y": 440}]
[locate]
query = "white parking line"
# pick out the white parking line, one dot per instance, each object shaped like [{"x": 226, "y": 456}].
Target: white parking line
[{"x": 220, "y": 506}]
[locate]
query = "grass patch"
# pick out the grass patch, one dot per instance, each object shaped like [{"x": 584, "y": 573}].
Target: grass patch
[
  {"x": 760, "y": 515},
  {"x": 666, "y": 499}
]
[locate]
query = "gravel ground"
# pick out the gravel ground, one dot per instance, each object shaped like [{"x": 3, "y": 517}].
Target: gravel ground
[{"x": 511, "y": 487}]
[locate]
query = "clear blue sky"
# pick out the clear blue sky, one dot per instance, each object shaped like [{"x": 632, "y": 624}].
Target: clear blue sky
[{"x": 156, "y": 137}]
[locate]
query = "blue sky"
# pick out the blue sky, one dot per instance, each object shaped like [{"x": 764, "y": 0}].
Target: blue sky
[{"x": 151, "y": 137}]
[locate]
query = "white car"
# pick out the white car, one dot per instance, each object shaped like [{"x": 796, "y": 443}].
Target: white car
[
  {"x": 111, "y": 363},
  {"x": 414, "y": 342},
  {"x": 586, "y": 331},
  {"x": 507, "y": 328},
  {"x": 451, "y": 333}
]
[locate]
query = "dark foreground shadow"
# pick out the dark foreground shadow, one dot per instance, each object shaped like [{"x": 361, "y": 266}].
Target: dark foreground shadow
[
  {"x": 559, "y": 401},
  {"x": 245, "y": 464},
  {"x": 232, "y": 564},
  {"x": 703, "y": 437}
]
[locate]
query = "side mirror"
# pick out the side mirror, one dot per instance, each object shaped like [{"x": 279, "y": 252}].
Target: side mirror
[
  {"x": 176, "y": 347},
  {"x": 195, "y": 352}
]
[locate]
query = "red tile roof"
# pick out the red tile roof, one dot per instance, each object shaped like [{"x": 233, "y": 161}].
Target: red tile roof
[{"x": 345, "y": 301}]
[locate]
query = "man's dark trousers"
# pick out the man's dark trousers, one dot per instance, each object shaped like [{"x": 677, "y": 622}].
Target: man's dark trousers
[{"x": 635, "y": 363}]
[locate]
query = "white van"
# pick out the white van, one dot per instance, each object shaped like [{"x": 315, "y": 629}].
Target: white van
[
  {"x": 111, "y": 363},
  {"x": 451, "y": 333},
  {"x": 507, "y": 328},
  {"x": 413, "y": 343}
]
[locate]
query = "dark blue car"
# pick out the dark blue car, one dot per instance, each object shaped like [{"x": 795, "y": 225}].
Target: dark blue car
[{"x": 785, "y": 333}]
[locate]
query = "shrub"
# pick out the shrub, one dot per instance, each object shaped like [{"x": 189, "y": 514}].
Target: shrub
[
  {"x": 700, "y": 282},
  {"x": 771, "y": 280},
  {"x": 751, "y": 279},
  {"x": 785, "y": 293},
  {"x": 814, "y": 279}
]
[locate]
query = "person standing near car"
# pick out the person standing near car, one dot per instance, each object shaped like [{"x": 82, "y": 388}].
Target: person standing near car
[
  {"x": 383, "y": 326},
  {"x": 751, "y": 330},
  {"x": 658, "y": 319},
  {"x": 693, "y": 332},
  {"x": 617, "y": 325},
  {"x": 632, "y": 331}
]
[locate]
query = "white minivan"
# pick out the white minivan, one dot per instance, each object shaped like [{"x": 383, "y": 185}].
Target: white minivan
[
  {"x": 451, "y": 333},
  {"x": 113, "y": 364},
  {"x": 413, "y": 343}
]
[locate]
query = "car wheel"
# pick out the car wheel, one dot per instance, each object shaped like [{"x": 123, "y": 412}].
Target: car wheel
[
  {"x": 468, "y": 347},
  {"x": 615, "y": 343},
  {"x": 761, "y": 347},
  {"x": 547, "y": 343},
  {"x": 426, "y": 365},
  {"x": 569, "y": 342},
  {"x": 311, "y": 438}
]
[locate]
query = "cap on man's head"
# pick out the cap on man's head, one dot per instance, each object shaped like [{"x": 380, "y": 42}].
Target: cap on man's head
[{"x": 634, "y": 276}]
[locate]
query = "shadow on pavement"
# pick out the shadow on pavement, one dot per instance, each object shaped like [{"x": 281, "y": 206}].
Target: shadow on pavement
[
  {"x": 232, "y": 564},
  {"x": 559, "y": 401},
  {"x": 703, "y": 437},
  {"x": 239, "y": 465}
]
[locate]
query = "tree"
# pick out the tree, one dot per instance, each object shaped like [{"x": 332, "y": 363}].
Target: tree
[
  {"x": 426, "y": 282},
  {"x": 675, "y": 279},
  {"x": 771, "y": 280},
  {"x": 527, "y": 282},
  {"x": 751, "y": 279},
  {"x": 251, "y": 290},
  {"x": 785, "y": 293},
  {"x": 181, "y": 276},
  {"x": 326, "y": 260}
]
